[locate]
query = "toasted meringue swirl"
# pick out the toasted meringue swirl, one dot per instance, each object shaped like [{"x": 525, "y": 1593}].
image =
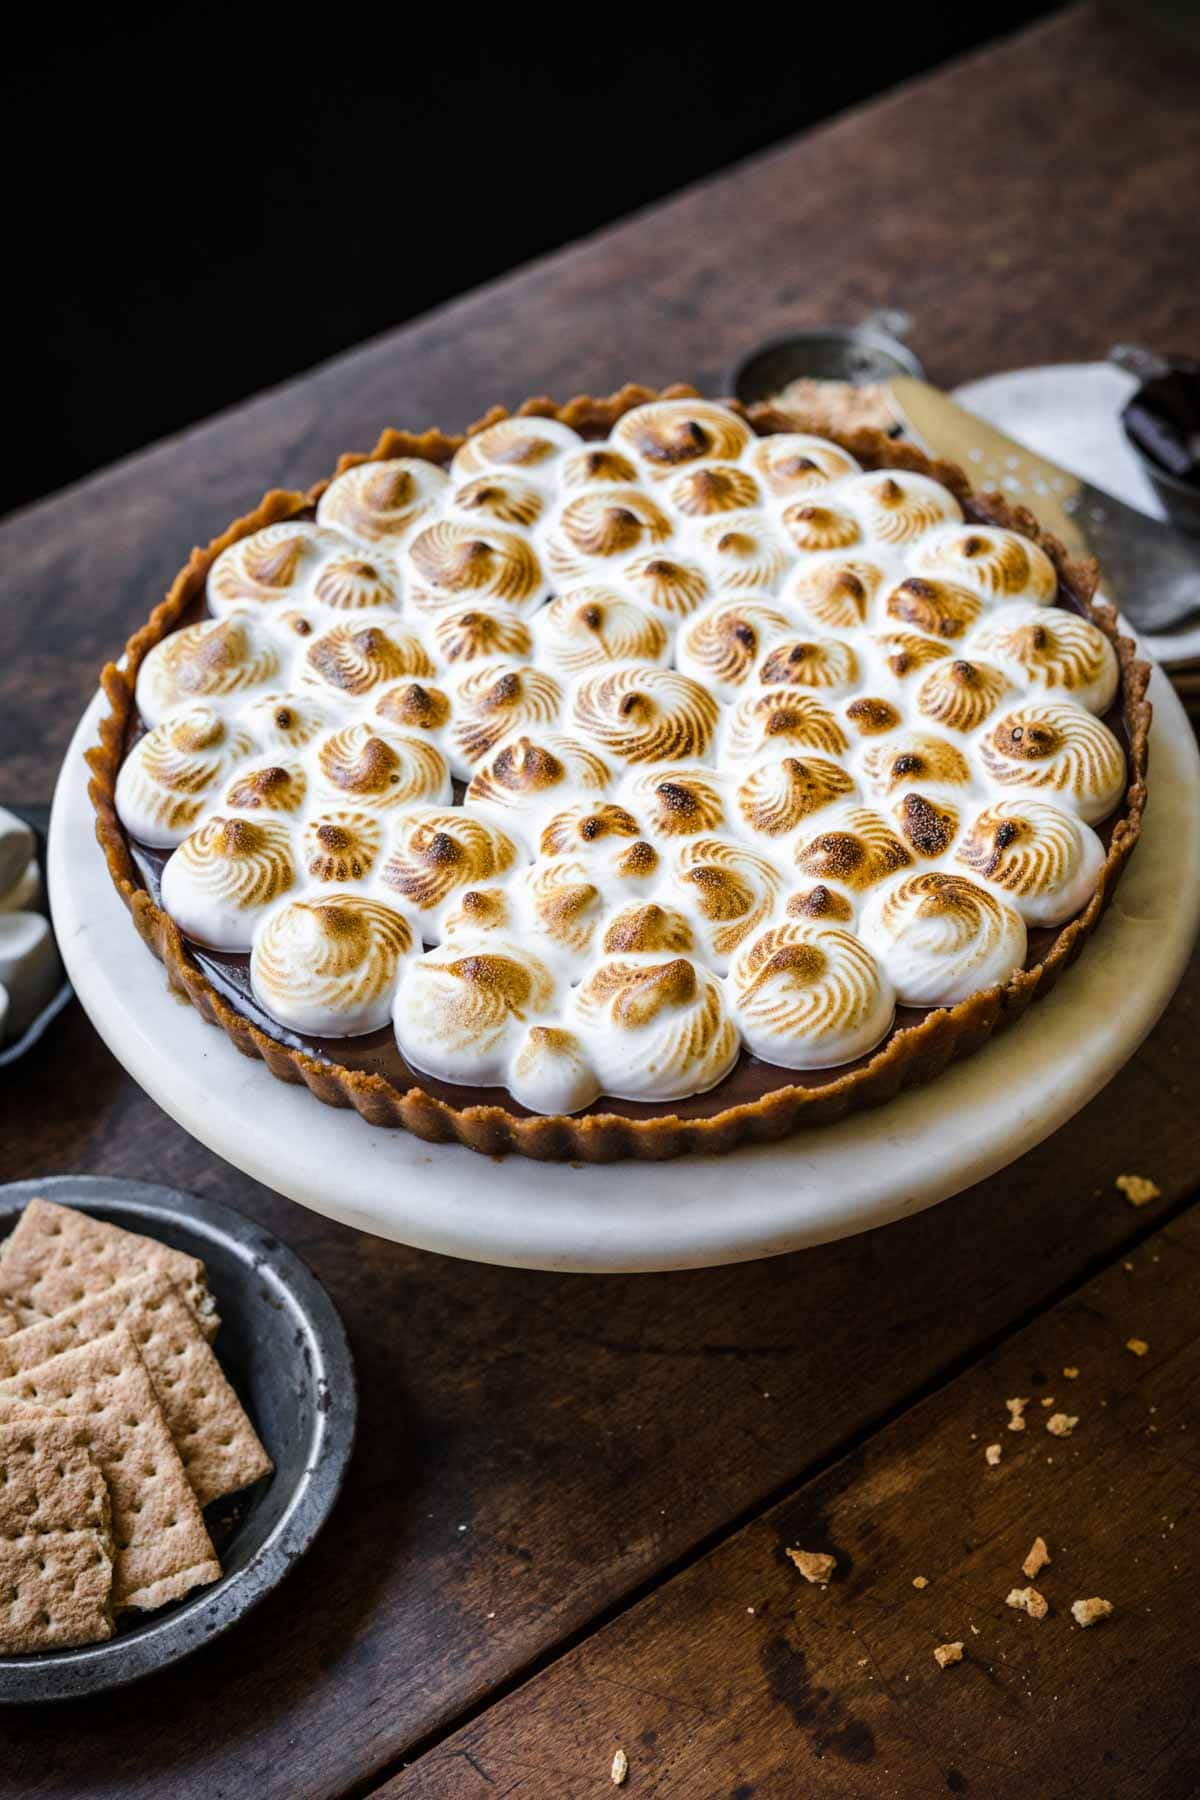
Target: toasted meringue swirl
[
  {"x": 646, "y": 715},
  {"x": 776, "y": 797},
  {"x": 596, "y": 465},
  {"x": 722, "y": 644},
  {"x": 532, "y": 446},
  {"x": 835, "y": 590},
  {"x": 353, "y": 659},
  {"x": 712, "y": 488},
  {"x": 792, "y": 462},
  {"x": 503, "y": 498},
  {"x": 743, "y": 552},
  {"x": 382, "y": 501},
  {"x": 452, "y": 562},
  {"x": 476, "y": 635},
  {"x": 353, "y": 583},
  {"x": 819, "y": 905},
  {"x": 729, "y": 889},
  {"x": 1043, "y": 858},
  {"x": 414, "y": 707},
  {"x": 927, "y": 828},
  {"x": 781, "y": 720},
  {"x": 604, "y": 524},
  {"x": 812, "y": 525},
  {"x": 677, "y": 802},
  {"x": 171, "y": 774},
  {"x": 270, "y": 787},
  {"x": 269, "y": 566},
  {"x": 960, "y": 695},
  {"x": 670, "y": 588},
  {"x": 915, "y": 759},
  {"x": 527, "y": 777},
  {"x": 656, "y": 1028},
  {"x": 1051, "y": 651},
  {"x": 342, "y": 845},
  {"x": 1057, "y": 747},
  {"x": 330, "y": 966},
  {"x": 670, "y": 434},
  {"x": 857, "y": 849},
  {"x": 459, "y": 1011},
  {"x": 998, "y": 564},
  {"x": 550, "y": 1071},
  {"x": 592, "y": 626},
  {"x": 591, "y": 826},
  {"x": 566, "y": 904},
  {"x": 898, "y": 507},
  {"x": 216, "y": 658},
  {"x": 872, "y": 716},
  {"x": 494, "y": 699},
  {"x": 941, "y": 937},
  {"x": 809, "y": 997},
  {"x": 647, "y": 929},
  {"x": 810, "y": 663},
  {"x": 938, "y": 608},
  {"x": 223, "y": 875},
  {"x": 438, "y": 852},
  {"x": 379, "y": 769},
  {"x": 907, "y": 652}
]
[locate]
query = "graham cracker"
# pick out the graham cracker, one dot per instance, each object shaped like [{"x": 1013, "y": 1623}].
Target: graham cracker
[
  {"x": 56, "y": 1256},
  {"x": 162, "y": 1547},
  {"x": 56, "y": 1548},
  {"x": 217, "y": 1444}
]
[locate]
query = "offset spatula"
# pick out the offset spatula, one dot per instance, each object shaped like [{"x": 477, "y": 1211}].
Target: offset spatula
[{"x": 1148, "y": 570}]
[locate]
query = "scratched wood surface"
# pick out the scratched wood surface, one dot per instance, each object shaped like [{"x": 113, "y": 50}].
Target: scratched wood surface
[{"x": 538, "y": 1453}]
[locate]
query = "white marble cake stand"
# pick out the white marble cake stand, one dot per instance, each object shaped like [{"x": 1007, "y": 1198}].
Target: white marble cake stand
[{"x": 819, "y": 1185}]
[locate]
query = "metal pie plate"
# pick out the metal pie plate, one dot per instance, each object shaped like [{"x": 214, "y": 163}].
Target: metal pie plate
[{"x": 284, "y": 1349}]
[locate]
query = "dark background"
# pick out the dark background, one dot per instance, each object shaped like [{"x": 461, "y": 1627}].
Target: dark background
[{"x": 202, "y": 202}]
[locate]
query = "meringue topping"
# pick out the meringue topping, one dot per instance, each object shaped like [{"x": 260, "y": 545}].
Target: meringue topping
[
  {"x": 352, "y": 583},
  {"x": 915, "y": 759},
  {"x": 565, "y": 903},
  {"x": 1042, "y": 858},
  {"x": 729, "y": 890},
  {"x": 451, "y": 562},
  {"x": 330, "y": 966},
  {"x": 776, "y": 797},
  {"x": 460, "y": 1012},
  {"x": 596, "y": 465},
  {"x": 677, "y": 801},
  {"x": 897, "y": 506},
  {"x": 531, "y": 445},
  {"x": 812, "y": 525},
  {"x": 503, "y": 498},
  {"x": 1057, "y": 748},
  {"x": 645, "y": 715},
  {"x": 341, "y": 845},
  {"x": 858, "y": 849},
  {"x": 550, "y": 1072},
  {"x": 992, "y": 562},
  {"x": 744, "y": 552},
  {"x": 960, "y": 695},
  {"x": 938, "y": 608},
  {"x": 712, "y": 488},
  {"x": 438, "y": 852},
  {"x": 836, "y": 591},
  {"x": 604, "y": 525},
  {"x": 219, "y": 880},
  {"x": 285, "y": 721},
  {"x": 269, "y": 566},
  {"x": 271, "y": 787},
  {"x": 591, "y": 626},
  {"x": 656, "y": 1026},
  {"x": 377, "y": 769},
  {"x": 647, "y": 929},
  {"x": 809, "y": 997},
  {"x": 810, "y": 663},
  {"x": 171, "y": 774},
  {"x": 927, "y": 828},
  {"x": 476, "y": 635},
  {"x": 942, "y": 937},
  {"x": 721, "y": 645},
  {"x": 782, "y": 720},
  {"x": 672, "y": 589},
  {"x": 527, "y": 778},
  {"x": 792, "y": 462},
  {"x": 671, "y": 434},
  {"x": 353, "y": 659},
  {"x": 211, "y": 660},
  {"x": 1053, "y": 652},
  {"x": 495, "y": 699},
  {"x": 414, "y": 707},
  {"x": 382, "y": 502}
]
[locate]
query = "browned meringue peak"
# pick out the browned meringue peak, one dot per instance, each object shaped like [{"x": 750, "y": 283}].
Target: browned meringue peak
[
  {"x": 809, "y": 996},
  {"x": 596, "y": 465},
  {"x": 342, "y": 845},
  {"x": 589, "y": 627},
  {"x": 293, "y": 624},
  {"x": 677, "y": 802},
  {"x": 460, "y": 1009},
  {"x": 907, "y": 652},
  {"x": 792, "y": 462},
  {"x": 781, "y": 720},
  {"x": 927, "y": 828},
  {"x": 269, "y": 787},
  {"x": 566, "y": 905},
  {"x": 776, "y": 797},
  {"x": 819, "y": 904},
  {"x": 1051, "y": 648},
  {"x": 743, "y": 552},
  {"x": 268, "y": 566},
  {"x": 1056, "y": 746},
  {"x": 525, "y": 775},
  {"x": 603, "y": 524},
  {"x": 201, "y": 662},
  {"x": 227, "y": 870},
  {"x": 476, "y": 635},
  {"x": 897, "y": 506},
  {"x": 451, "y": 561},
  {"x": 382, "y": 501},
  {"x": 872, "y": 716},
  {"x": 529, "y": 445},
  {"x": 670, "y": 588},
  {"x": 635, "y": 862},
  {"x": 285, "y": 721},
  {"x": 999, "y": 564},
  {"x": 381, "y": 769},
  {"x": 915, "y": 759},
  {"x": 938, "y": 608},
  {"x": 647, "y": 929},
  {"x": 169, "y": 775},
  {"x": 1045, "y": 860},
  {"x": 550, "y": 1072},
  {"x": 330, "y": 965},
  {"x": 479, "y": 910},
  {"x": 858, "y": 850},
  {"x": 439, "y": 851},
  {"x": 942, "y": 938},
  {"x": 670, "y": 434},
  {"x": 597, "y": 825},
  {"x": 414, "y": 707},
  {"x": 655, "y": 1029},
  {"x": 835, "y": 590},
  {"x": 352, "y": 659},
  {"x": 810, "y": 663},
  {"x": 961, "y": 694},
  {"x": 646, "y": 715},
  {"x": 352, "y": 583},
  {"x": 494, "y": 699},
  {"x": 812, "y": 525},
  {"x": 730, "y": 889},
  {"x": 712, "y": 488},
  {"x": 722, "y": 645},
  {"x": 504, "y": 498}
]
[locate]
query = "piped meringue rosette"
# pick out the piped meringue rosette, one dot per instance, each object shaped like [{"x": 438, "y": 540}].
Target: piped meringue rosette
[{"x": 586, "y": 765}]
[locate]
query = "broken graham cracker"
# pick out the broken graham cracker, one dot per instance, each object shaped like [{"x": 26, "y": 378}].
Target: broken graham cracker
[
  {"x": 945, "y": 1654},
  {"x": 1038, "y": 1559},
  {"x": 56, "y": 1256},
  {"x": 56, "y": 1548},
  {"x": 814, "y": 1565},
  {"x": 217, "y": 1444},
  {"x": 1028, "y": 1600},
  {"x": 1139, "y": 1190},
  {"x": 162, "y": 1547},
  {"x": 1090, "y": 1612}
]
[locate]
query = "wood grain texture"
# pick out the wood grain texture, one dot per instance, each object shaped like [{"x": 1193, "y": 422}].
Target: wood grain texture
[
  {"x": 592, "y": 1435},
  {"x": 740, "y": 1681}
]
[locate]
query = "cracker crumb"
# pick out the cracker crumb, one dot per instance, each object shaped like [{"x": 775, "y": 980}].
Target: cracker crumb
[
  {"x": 1061, "y": 1424},
  {"x": 1090, "y": 1612},
  {"x": 993, "y": 1453},
  {"x": 1016, "y": 1412},
  {"x": 919, "y": 1581},
  {"x": 1071, "y": 1374},
  {"x": 1037, "y": 1559},
  {"x": 945, "y": 1654},
  {"x": 1048, "y": 1400},
  {"x": 1139, "y": 1190},
  {"x": 1139, "y": 1346},
  {"x": 1028, "y": 1600},
  {"x": 814, "y": 1565},
  {"x": 620, "y": 1769}
]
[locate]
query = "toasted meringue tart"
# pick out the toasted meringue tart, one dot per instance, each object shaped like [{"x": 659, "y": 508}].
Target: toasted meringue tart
[{"x": 629, "y": 778}]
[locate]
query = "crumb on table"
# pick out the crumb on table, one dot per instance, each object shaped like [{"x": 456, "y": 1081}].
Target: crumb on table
[
  {"x": 992, "y": 1454},
  {"x": 1139, "y": 1190},
  {"x": 1139, "y": 1346},
  {"x": 1016, "y": 1414},
  {"x": 1037, "y": 1558},
  {"x": 814, "y": 1565},
  {"x": 1090, "y": 1612},
  {"x": 1028, "y": 1600},
  {"x": 945, "y": 1654},
  {"x": 620, "y": 1769},
  {"x": 1061, "y": 1424}
]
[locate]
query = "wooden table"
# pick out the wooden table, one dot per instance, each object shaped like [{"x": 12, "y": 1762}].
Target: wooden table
[{"x": 565, "y": 1526}]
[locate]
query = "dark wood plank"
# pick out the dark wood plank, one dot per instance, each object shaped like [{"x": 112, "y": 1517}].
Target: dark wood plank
[
  {"x": 739, "y": 1680},
  {"x": 534, "y": 1448}
]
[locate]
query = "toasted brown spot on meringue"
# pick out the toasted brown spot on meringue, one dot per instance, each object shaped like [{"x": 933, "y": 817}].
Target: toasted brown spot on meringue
[
  {"x": 724, "y": 643},
  {"x": 714, "y": 488},
  {"x": 341, "y": 846},
  {"x": 279, "y": 787},
  {"x": 908, "y": 652},
  {"x": 927, "y": 827},
  {"x": 899, "y": 506},
  {"x": 567, "y": 907},
  {"x": 415, "y": 707},
  {"x": 381, "y": 501},
  {"x": 667, "y": 434},
  {"x": 734, "y": 891},
  {"x": 795, "y": 463},
  {"x": 437, "y": 852},
  {"x": 351, "y": 583},
  {"x": 836, "y": 592},
  {"x": 451, "y": 559},
  {"x": 672, "y": 588},
  {"x": 916, "y": 758},
  {"x": 515, "y": 444},
  {"x": 582, "y": 825},
  {"x": 872, "y": 716},
  {"x": 246, "y": 862},
  {"x": 507, "y": 500},
  {"x": 645, "y": 930},
  {"x": 814, "y": 527},
  {"x": 479, "y": 909},
  {"x": 597, "y": 466},
  {"x": 681, "y": 803},
  {"x": 820, "y": 902},
  {"x": 1054, "y": 649},
  {"x": 781, "y": 718},
  {"x": 205, "y": 660},
  {"x": 743, "y": 553},
  {"x": 638, "y": 994},
  {"x": 381, "y": 771},
  {"x": 808, "y": 662},
  {"x": 864, "y": 851},
  {"x": 352, "y": 659},
  {"x": 493, "y": 701},
  {"x": 638, "y": 861},
  {"x": 1057, "y": 745},
  {"x": 776, "y": 797},
  {"x": 997, "y": 563},
  {"x": 523, "y": 768},
  {"x": 961, "y": 694},
  {"x": 938, "y": 608},
  {"x": 472, "y": 635},
  {"x": 605, "y": 522},
  {"x": 646, "y": 715}
]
